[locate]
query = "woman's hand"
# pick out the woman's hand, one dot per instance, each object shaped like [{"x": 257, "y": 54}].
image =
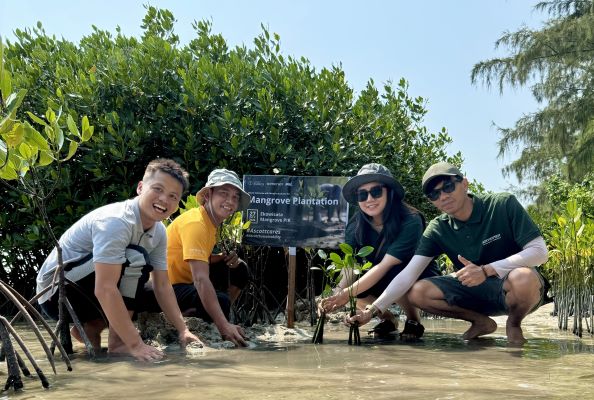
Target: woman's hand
[
  {"x": 337, "y": 300},
  {"x": 362, "y": 317}
]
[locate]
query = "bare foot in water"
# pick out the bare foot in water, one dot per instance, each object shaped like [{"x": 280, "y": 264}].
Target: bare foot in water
[
  {"x": 76, "y": 334},
  {"x": 514, "y": 335},
  {"x": 93, "y": 331},
  {"x": 479, "y": 328},
  {"x": 119, "y": 350},
  {"x": 115, "y": 345}
]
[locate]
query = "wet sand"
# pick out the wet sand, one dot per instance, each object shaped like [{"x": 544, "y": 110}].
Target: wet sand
[{"x": 553, "y": 364}]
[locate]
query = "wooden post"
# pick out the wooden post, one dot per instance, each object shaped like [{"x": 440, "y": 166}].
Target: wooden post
[{"x": 291, "y": 287}]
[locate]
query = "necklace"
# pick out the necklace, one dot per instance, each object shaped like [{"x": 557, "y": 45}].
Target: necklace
[{"x": 377, "y": 227}]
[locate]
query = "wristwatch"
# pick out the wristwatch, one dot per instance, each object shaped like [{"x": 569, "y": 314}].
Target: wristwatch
[{"x": 374, "y": 310}]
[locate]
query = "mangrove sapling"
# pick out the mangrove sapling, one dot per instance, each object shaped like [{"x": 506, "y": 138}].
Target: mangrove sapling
[
  {"x": 571, "y": 241},
  {"x": 310, "y": 255},
  {"x": 346, "y": 268},
  {"x": 330, "y": 276},
  {"x": 25, "y": 157},
  {"x": 230, "y": 232},
  {"x": 252, "y": 304}
]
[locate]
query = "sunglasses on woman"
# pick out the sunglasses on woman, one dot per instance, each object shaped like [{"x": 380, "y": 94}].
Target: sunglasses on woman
[
  {"x": 448, "y": 187},
  {"x": 375, "y": 192}
]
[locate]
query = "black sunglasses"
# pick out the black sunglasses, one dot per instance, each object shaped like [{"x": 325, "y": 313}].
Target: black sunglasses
[
  {"x": 375, "y": 192},
  {"x": 447, "y": 187}
]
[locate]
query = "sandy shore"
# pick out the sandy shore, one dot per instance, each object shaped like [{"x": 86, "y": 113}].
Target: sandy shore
[{"x": 157, "y": 331}]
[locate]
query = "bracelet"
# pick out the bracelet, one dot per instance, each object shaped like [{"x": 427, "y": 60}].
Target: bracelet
[
  {"x": 484, "y": 272},
  {"x": 374, "y": 310}
]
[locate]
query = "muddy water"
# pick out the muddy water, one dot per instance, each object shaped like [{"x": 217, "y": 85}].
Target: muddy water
[{"x": 554, "y": 364}]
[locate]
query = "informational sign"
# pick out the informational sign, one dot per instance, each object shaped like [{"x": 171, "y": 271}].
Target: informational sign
[{"x": 299, "y": 211}]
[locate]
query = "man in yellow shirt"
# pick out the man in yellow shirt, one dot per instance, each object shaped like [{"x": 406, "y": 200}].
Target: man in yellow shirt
[{"x": 191, "y": 238}]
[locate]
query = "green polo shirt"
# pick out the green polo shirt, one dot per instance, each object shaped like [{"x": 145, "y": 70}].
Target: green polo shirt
[
  {"x": 402, "y": 246},
  {"x": 497, "y": 228}
]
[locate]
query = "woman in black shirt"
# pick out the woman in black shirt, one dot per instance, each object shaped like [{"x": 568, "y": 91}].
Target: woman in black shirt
[{"x": 393, "y": 228}]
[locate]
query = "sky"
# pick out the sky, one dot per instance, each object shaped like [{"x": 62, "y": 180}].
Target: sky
[{"x": 433, "y": 44}]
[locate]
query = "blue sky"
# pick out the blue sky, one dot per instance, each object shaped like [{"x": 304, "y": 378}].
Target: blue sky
[{"x": 433, "y": 44}]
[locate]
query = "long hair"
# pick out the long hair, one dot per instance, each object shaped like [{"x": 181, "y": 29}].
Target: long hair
[{"x": 395, "y": 211}]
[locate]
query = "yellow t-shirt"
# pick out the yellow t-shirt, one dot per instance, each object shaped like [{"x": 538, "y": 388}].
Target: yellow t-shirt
[{"x": 191, "y": 236}]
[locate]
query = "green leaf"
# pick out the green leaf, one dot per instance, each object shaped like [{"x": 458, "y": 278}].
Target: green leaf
[
  {"x": 234, "y": 142},
  {"x": 59, "y": 136},
  {"x": 36, "y": 119},
  {"x": 71, "y": 150},
  {"x": 87, "y": 133},
  {"x": 15, "y": 136},
  {"x": 85, "y": 122},
  {"x": 4, "y": 94},
  {"x": 72, "y": 126},
  {"x": 348, "y": 260},
  {"x": 322, "y": 254},
  {"x": 335, "y": 258},
  {"x": 26, "y": 151},
  {"x": 6, "y": 86},
  {"x": 8, "y": 172},
  {"x": 45, "y": 158},
  {"x": 13, "y": 102},
  {"x": 578, "y": 215},
  {"x": 580, "y": 231},
  {"x": 346, "y": 248},
  {"x": 32, "y": 135},
  {"x": 365, "y": 251}
]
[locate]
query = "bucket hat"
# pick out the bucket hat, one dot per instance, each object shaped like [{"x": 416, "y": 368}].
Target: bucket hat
[
  {"x": 439, "y": 169},
  {"x": 220, "y": 177},
  {"x": 371, "y": 173}
]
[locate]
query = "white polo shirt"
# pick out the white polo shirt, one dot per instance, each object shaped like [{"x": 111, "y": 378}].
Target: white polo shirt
[{"x": 105, "y": 232}]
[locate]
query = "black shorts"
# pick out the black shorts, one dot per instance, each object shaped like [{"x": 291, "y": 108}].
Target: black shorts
[
  {"x": 187, "y": 299},
  {"x": 81, "y": 295},
  {"x": 488, "y": 298},
  {"x": 222, "y": 276}
]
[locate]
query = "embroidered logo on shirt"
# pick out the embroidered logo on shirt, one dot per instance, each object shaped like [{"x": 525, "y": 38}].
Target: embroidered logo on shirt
[{"x": 491, "y": 239}]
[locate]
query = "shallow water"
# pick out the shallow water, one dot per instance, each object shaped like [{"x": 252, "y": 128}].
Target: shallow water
[{"x": 553, "y": 364}]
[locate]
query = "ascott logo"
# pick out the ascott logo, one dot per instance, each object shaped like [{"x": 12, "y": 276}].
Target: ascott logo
[{"x": 491, "y": 239}]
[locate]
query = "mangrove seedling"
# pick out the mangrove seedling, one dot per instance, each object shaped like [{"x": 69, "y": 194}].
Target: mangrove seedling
[
  {"x": 349, "y": 268},
  {"x": 230, "y": 232}
]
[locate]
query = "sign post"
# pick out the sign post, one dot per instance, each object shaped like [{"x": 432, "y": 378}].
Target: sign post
[
  {"x": 291, "y": 287},
  {"x": 295, "y": 211}
]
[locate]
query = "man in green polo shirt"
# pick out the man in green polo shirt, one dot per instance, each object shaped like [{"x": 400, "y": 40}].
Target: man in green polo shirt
[{"x": 494, "y": 246}]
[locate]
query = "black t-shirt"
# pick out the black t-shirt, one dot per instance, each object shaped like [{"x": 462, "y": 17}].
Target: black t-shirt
[{"x": 402, "y": 246}]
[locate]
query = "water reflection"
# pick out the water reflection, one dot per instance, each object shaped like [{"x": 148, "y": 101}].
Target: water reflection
[{"x": 552, "y": 364}]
